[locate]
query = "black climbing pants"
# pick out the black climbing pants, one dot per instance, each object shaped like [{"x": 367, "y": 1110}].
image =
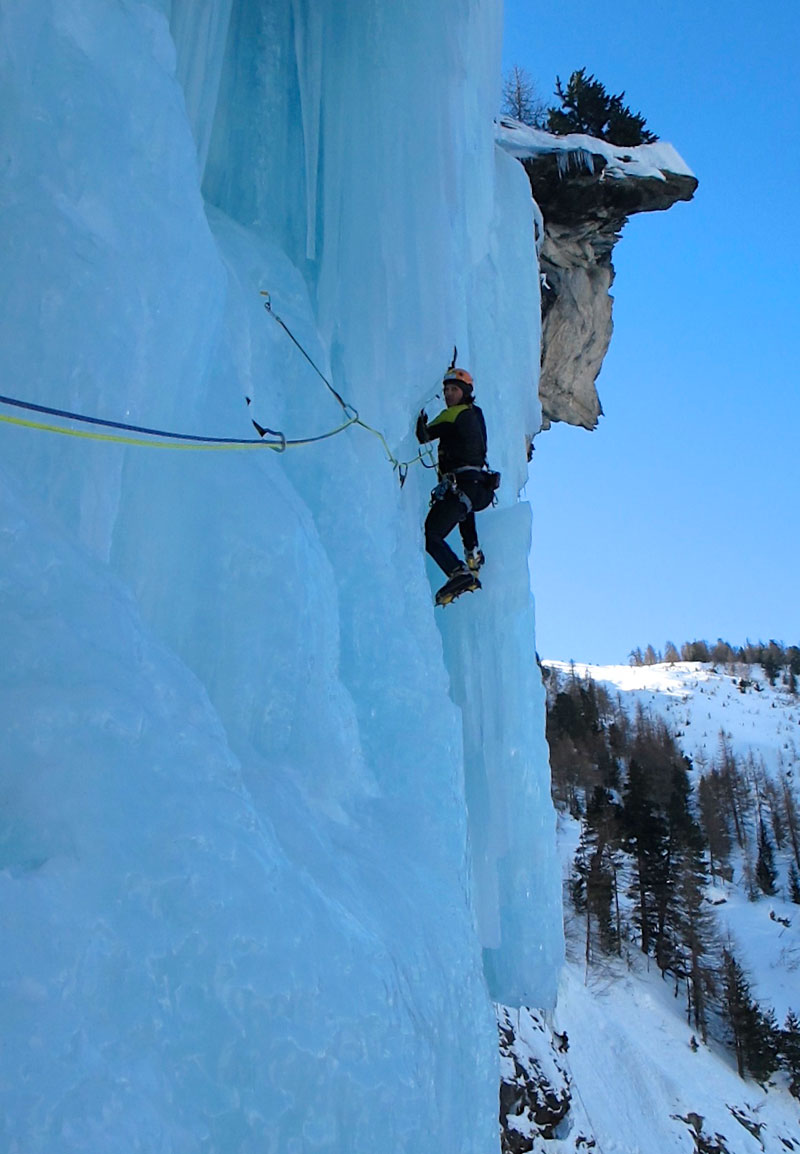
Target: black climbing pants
[{"x": 449, "y": 511}]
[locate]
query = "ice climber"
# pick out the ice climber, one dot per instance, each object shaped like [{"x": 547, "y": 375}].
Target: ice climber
[{"x": 466, "y": 485}]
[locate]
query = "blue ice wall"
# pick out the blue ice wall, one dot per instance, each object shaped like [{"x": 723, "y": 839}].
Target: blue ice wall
[{"x": 273, "y": 834}]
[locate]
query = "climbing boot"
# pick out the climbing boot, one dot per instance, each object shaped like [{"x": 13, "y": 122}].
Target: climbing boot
[{"x": 462, "y": 580}]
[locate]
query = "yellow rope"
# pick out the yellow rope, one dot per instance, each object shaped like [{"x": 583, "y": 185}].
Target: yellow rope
[
  {"x": 133, "y": 440},
  {"x": 116, "y": 439},
  {"x": 353, "y": 418}
]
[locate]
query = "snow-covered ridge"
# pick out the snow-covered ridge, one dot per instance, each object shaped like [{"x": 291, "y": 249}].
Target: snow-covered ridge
[{"x": 701, "y": 701}]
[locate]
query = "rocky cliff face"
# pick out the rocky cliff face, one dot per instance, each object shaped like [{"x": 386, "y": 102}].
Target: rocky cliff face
[{"x": 586, "y": 190}]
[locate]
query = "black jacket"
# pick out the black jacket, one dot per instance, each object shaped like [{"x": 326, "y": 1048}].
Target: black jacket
[{"x": 461, "y": 432}]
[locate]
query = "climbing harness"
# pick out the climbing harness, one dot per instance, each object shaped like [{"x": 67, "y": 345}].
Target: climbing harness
[{"x": 490, "y": 477}]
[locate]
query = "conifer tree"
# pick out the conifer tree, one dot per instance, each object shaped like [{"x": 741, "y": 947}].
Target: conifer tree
[
  {"x": 789, "y": 1043},
  {"x": 763, "y": 1054},
  {"x": 593, "y": 882},
  {"x": 693, "y": 935},
  {"x": 791, "y": 816},
  {"x": 772, "y": 658},
  {"x": 715, "y": 824},
  {"x": 671, "y": 653},
  {"x": 681, "y": 896},
  {"x": 794, "y": 884},
  {"x": 695, "y": 651},
  {"x": 772, "y": 793},
  {"x": 754, "y": 1034},
  {"x": 766, "y": 873},
  {"x": 735, "y": 1005},
  {"x": 733, "y": 786},
  {"x": 602, "y": 818},
  {"x": 721, "y": 653},
  {"x": 586, "y": 106},
  {"x": 645, "y": 837}
]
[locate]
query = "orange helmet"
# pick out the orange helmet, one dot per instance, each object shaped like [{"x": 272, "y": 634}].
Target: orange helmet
[{"x": 459, "y": 377}]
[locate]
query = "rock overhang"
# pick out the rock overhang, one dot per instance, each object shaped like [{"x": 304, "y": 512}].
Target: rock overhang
[{"x": 586, "y": 189}]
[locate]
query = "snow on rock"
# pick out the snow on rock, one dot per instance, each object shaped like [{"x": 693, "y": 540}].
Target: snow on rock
[
  {"x": 535, "y": 1093},
  {"x": 656, "y": 161}
]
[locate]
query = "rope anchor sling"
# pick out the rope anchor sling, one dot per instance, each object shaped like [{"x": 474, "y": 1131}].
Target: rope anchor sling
[{"x": 353, "y": 418}]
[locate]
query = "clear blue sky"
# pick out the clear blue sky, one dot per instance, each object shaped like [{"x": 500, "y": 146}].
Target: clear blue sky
[{"x": 678, "y": 517}]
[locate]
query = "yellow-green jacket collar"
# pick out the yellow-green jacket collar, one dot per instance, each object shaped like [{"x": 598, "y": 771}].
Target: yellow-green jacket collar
[{"x": 447, "y": 416}]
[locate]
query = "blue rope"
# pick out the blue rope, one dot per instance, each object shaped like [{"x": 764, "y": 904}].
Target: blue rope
[{"x": 65, "y": 414}]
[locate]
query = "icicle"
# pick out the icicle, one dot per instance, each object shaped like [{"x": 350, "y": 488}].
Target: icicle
[
  {"x": 569, "y": 161},
  {"x": 308, "y": 45}
]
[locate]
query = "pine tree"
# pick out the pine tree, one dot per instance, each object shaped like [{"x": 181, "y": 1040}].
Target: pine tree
[
  {"x": 695, "y": 937},
  {"x": 645, "y": 838},
  {"x": 680, "y": 897},
  {"x": 772, "y": 793},
  {"x": 735, "y": 1005},
  {"x": 586, "y": 106},
  {"x": 794, "y": 884},
  {"x": 764, "y": 1044},
  {"x": 766, "y": 873},
  {"x": 715, "y": 825},
  {"x": 593, "y": 880},
  {"x": 789, "y": 1043},
  {"x": 791, "y": 816},
  {"x": 602, "y": 817},
  {"x": 754, "y": 1033},
  {"x": 772, "y": 658}
]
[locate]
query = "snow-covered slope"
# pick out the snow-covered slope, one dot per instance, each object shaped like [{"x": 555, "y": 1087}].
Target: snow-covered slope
[
  {"x": 631, "y": 1080},
  {"x": 702, "y": 701},
  {"x": 705, "y": 705},
  {"x": 639, "y": 1084}
]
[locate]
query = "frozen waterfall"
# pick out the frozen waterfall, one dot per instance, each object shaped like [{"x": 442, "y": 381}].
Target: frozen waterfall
[{"x": 274, "y": 832}]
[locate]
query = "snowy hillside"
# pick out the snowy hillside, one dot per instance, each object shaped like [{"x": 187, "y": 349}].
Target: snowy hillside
[
  {"x": 702, "y": 701},
  {"x": 641, "y": 1081},
  {"x": 631, "y": 1080}
]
